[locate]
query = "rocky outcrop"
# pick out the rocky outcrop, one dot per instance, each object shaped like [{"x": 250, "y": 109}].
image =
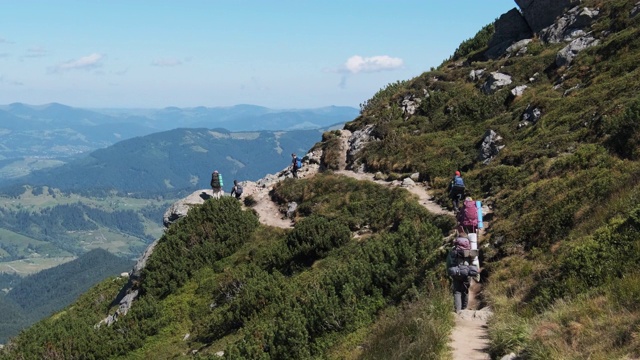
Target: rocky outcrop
[
  {"x": 518, "y": 48},
  {"x": 129, "y": 292},
  {"x": 635, "y": 10},
  {"x": 571, "y": 25},
  {"x": 475, "y": 75},
  {"x": 530, "y": 116},
  {"x": 495, "y": 81},
  {"x": 509, "y": 28},
  {"x": 490, "y": 146},
  {"x": 518, "y": 90},
  {"x": 409, "y": 105},
  {"x": 553, "y": 21},
  {"x": 357, "y": 141},
  {"x": 565, "y": 56},
  {"x": 542, "y": 13},
  {"x": 181, "y": 207}
]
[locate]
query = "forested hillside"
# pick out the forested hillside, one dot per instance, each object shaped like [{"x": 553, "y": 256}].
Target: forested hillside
[
  {"x": 34, "y": 297},
  {"x": 539, "y": 112},
  {"x": 60, "y": 225}
]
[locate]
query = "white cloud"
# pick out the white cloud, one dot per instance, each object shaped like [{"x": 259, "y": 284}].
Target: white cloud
[
  {"x": 358, "y": 64},
  {"x": 35, "y": 52},
  {"x": 167, "y": 62},
  {"x": 88, "y": 62}
]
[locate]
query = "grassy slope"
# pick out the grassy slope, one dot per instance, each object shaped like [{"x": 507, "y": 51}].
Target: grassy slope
[{"x": 564, "y": 190}]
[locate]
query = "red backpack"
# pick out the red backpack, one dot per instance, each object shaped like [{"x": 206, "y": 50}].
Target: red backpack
[{"x": 470, "y": 214}]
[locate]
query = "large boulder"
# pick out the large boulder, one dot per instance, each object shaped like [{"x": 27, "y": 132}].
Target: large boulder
[
  {"x": 509, "y": 28},
  {"x": 530, "y": 116},
  {"x": 565, "y": 56},
  {"x": 573, "y": 24},
  {"x": 181, "y": 207},
  {"x": 495, "y": 81},
  {"x": 357, "y": 141},
  {"x": 542, "y": 13},
  {"x": 410, "y": 105},
  {"x": 490, "y": 146}
]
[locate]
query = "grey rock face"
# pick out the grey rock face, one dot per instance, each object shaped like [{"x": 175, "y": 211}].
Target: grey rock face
[
  {"x": 518, "y": 90},
  {"x": 530, "y": 116},
  {"x": 358, "y": 140},
  {"x": 181, "y": 207},
  {"x": 291, "y": 209},
  {"x": 573, "y": 24},
  {"x": 409, "y": 105},
  {"x": 518, "y": 48},
  {"x": 408, "y": 182},
  {"x": 542, "y": 13},
  {"x": 565, "y": 56},
  {"x": 490, "y": 146},
  {"x": 130, "y": 294},
  {"x": 495, "y": 81},
  {"x": 475, "y": 75},
  {"x": 509, "y": 28},
  {"x": 635, "y": 10}
]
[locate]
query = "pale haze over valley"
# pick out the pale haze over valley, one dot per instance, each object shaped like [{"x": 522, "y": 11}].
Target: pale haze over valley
[{"x": 278, "y": 54}]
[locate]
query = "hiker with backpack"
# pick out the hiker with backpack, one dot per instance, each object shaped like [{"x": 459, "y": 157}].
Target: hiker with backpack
[
  {"x": 236, "y": 190},
  {"x": 296, "y": 164},
  {"x": 456, "y": 190},
  {"x": 461, "y": 269},
  {"x": 216, "y": 184},
  {"x": 468, "y": 216}
]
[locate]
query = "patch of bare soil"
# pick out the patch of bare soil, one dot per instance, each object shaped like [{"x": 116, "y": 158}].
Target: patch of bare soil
[{"x": 268, "y": 211}]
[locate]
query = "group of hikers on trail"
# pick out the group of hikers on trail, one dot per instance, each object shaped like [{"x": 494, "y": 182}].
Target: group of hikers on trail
[
  {"x": 217, "y": 183},
  {"x": 463, "y": 264}
]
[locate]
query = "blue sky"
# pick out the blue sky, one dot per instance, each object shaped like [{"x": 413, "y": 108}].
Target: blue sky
[{"x": 273, "y": 53}]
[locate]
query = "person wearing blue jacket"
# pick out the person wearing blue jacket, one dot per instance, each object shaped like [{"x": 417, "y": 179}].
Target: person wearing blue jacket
[
  {"x": 296, "y": 163},
  {"x": 456, "y": 190}
]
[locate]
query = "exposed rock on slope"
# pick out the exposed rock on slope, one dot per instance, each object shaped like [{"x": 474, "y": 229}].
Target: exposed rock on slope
[{"x": 550, "y": 20}]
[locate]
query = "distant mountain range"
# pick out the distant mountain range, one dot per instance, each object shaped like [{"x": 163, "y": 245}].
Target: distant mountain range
[
  {"x": 35, "y": 137},
  {"x": 174, "y": 162}
]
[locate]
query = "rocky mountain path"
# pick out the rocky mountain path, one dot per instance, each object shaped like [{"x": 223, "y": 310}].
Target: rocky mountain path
[
  {"x": 469, "y": 338},
  {"x": 268, "y": 211}
]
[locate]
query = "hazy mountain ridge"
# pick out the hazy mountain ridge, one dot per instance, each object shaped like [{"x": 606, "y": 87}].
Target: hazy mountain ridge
[
  {"x": 34, "y": 136},
  {"x": 175, "y": 161}
]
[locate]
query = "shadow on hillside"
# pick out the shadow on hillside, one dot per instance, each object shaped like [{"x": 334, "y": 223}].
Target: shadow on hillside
[{"x": 205, "y": 196}]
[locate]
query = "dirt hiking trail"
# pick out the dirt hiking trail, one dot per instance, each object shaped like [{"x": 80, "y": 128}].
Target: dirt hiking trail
[{"x": 469, "y": 338}]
